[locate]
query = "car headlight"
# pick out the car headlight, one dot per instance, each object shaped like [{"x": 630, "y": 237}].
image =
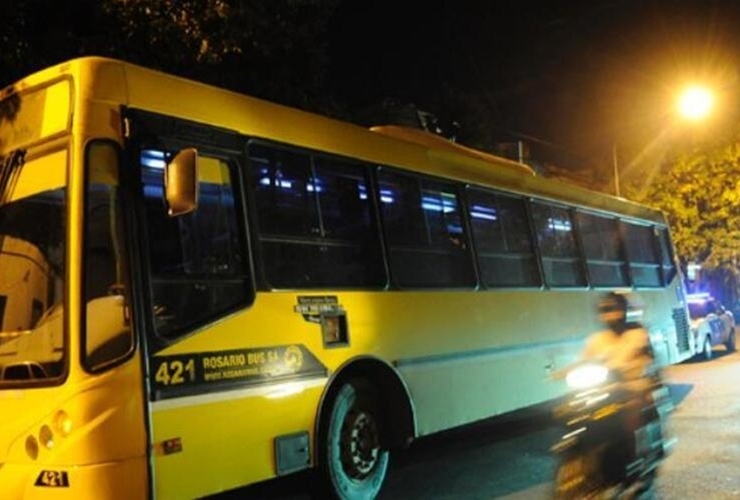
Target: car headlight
[{"x": 586, "y": 376}]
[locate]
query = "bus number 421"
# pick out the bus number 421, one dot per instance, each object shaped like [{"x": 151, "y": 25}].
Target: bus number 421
[
  {"x": 175, "y": 372},
  {"x": 52, "y": 479}
]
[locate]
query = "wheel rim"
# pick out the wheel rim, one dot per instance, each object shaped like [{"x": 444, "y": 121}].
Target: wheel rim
[
  {"x": 359, "y": 444},
  {"x": 707, "y": 348}
]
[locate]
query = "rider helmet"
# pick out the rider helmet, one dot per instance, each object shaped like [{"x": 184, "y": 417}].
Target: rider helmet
[{"x": 629, "y": 311}]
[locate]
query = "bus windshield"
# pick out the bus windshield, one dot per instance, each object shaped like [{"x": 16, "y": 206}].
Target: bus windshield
[{"x": 32, "y": 243}]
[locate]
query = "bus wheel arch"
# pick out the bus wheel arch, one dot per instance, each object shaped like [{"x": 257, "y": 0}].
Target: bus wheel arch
[{"x": 364, "y": 413}]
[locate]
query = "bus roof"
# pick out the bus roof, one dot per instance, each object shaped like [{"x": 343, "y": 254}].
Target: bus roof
[{"x": 137, "y": 87}]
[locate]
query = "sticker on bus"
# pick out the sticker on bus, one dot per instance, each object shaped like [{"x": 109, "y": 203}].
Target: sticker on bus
[
  {"x": 172, "y": 374},
  {"x": 313, "y": 306}
]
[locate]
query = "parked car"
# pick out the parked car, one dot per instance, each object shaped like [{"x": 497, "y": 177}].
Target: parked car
[{"x": 711, "y": 324}]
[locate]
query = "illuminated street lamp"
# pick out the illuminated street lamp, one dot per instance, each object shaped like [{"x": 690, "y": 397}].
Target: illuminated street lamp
[{"x": 694, "y": 104}]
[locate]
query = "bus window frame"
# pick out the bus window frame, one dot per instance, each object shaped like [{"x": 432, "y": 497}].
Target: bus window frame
[
  {"x": 579, "y": 260},
  {"x": 624, "y": 262},
  {"x": 314, "y": 159},
  {"x": 532, "y": 237},
  {"x": 171, "y": 134},
  {"x": 654, "y": 243},
  {"x": 49, "y": 146},
  {"x": 125, "y": 262},
  {"x": 458, "y": 188}
]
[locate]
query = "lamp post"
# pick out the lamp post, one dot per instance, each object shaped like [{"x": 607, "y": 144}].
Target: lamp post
[{"x": 616, "y": 169}]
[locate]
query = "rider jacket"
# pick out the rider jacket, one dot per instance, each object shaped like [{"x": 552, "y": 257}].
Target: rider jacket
[{"x": 628, "y": 353}]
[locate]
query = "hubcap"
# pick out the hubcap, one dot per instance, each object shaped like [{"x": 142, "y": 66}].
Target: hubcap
[{"x": 359, "y": 444}]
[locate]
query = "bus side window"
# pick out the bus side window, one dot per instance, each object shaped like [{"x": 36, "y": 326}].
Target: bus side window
[
  {"x": 315, "y": 220},
  {"x": 645, "y": 263},
  {"x": 427, "y": 241},
  {"x": 559, "y": 253},
  {"x": 503, "y": 240},
  {"x": 602, "y": 246}
]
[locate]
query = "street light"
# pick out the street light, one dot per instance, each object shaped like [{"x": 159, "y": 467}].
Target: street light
[{"x": 694, "y": 103}]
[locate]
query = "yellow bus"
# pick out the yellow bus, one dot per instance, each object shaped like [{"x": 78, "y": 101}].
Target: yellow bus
[{"x": 200, "y": 290}]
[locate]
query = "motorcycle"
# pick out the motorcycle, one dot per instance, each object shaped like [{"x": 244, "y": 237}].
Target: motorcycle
[{"x": 598, "y": 455}]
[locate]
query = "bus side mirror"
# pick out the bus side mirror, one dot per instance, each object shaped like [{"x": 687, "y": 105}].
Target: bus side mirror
[{"x": 181, "y": 183}]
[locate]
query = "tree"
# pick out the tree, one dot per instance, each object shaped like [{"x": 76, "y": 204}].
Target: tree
[
  {"x": 699, "y": 193},
  {"x": 272, "y": 49},
  {"x": 37, "y": 33}
]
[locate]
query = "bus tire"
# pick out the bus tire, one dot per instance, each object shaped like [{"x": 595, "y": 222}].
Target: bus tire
[{"x": 352, "y": 464}]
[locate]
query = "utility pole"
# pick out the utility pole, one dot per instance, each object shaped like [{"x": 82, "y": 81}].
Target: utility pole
[{"x": 616, "y": 169}]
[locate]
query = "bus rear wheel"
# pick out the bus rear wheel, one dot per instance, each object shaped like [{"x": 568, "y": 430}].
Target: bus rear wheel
[{"x": 351, "y": 461}]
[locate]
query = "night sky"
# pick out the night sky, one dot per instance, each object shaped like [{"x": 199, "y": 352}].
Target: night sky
[{"x": 574, "y": 77}]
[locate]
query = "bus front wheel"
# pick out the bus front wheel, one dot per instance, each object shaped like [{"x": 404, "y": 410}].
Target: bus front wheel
[{"x": 352, "y": 463}]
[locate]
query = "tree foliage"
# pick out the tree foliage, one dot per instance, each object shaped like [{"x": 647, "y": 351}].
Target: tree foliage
[
  {"x": 698, "y": 191},
  {"x": 274, "y": 49}
]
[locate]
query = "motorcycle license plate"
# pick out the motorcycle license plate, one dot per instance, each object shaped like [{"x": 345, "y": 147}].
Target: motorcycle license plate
[{"x": 571, "y": 475}]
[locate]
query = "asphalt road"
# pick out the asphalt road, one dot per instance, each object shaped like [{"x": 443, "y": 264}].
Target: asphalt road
[
  {"x": 510, "y": 457},
  {"x": 705, "y": 463}
]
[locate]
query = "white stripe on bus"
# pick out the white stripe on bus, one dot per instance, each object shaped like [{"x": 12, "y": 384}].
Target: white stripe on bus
[{"x": 278, "y": 390}]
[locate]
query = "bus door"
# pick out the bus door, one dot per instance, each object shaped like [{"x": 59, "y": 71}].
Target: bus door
[{"x": 195, "y": 273}]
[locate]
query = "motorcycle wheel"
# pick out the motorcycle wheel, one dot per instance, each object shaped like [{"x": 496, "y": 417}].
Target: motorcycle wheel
[{"x": 645, "y": 487}]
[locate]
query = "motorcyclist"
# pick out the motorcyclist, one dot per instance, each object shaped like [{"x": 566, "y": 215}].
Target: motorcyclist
[{"x": 624, "y": 346}]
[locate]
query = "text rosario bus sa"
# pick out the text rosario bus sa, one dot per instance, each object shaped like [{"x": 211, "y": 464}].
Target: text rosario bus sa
[{"x": 201, "y": 290}]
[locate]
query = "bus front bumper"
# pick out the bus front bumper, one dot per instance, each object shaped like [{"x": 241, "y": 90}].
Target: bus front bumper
[{"x": 118, "y": 480}]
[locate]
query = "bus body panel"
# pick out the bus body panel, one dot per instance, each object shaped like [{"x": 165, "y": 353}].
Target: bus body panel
[
  {"x": 97, "y": 438},
  {"x": 227, "y": 439},
  {"x": 125, "y": 479},
  {"x": 492, "y": 355}
]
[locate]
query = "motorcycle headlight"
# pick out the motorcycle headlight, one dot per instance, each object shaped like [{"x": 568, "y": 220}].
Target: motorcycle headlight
[{"x": 586, "y": 376}]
